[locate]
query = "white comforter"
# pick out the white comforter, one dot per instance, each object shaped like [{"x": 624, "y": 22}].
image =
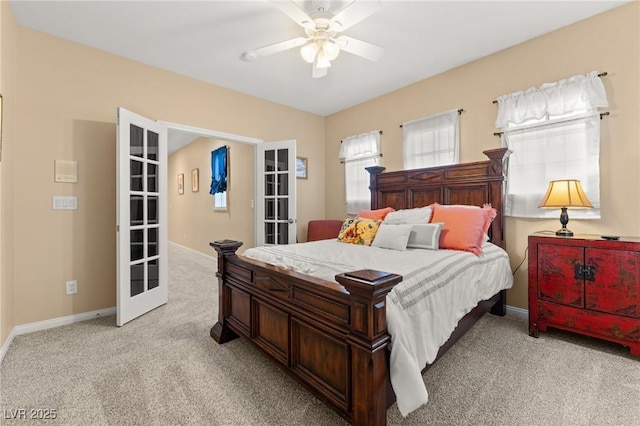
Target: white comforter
[{"x": 439, "y": 287}]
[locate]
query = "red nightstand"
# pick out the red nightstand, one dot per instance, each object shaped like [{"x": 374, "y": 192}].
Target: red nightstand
[{"x": 587, "y": 285}]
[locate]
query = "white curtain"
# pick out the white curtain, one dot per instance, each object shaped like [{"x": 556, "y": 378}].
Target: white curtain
[
  {"x": 574, "y": 95},
  {"x": 565, "y": 150},
  {"x": 358, "y": 152},
  {"x": 431, "y": 141},
  {"x": 553, "y": 133}
]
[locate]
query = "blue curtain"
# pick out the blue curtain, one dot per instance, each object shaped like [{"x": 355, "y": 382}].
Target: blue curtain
[{"x": 218, "y": 170}]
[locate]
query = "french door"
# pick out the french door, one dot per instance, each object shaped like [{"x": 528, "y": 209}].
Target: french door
[
  {"x": 276, "y": 193},
  {"x": 141, "y": 215}
]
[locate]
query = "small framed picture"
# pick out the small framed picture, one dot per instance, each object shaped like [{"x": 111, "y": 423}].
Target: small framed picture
[
  {"x": 301, "y": 168},
  {"x": 195, "y": 185},
  {"x": 181, "y": 183}
]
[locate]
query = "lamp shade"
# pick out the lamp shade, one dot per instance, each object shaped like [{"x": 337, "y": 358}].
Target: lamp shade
[{"x": 565, "y": 193}]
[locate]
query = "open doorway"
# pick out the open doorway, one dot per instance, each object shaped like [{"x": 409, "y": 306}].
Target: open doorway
[{"x": 194, "y": 220}]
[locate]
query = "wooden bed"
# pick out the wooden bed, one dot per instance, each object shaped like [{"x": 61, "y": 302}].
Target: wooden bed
[{"x": 331, "y": 337}]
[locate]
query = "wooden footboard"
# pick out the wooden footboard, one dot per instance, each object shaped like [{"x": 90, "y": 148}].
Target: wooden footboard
[{"x": 331, "y": 337}]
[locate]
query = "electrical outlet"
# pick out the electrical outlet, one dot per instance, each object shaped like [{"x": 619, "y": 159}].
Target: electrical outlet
[{"x": 72, "y": 287}]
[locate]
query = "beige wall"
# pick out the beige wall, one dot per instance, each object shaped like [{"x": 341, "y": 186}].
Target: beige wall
[
  {"x": 8, "y": 34},
  {"x": 608, "y": 42},
  {"x": 192, "y": 221},
  {"x": 66, "y": 105}
]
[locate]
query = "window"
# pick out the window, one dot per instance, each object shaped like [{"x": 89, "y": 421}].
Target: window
[
  {"x": 553, "y": 132},
  {"x": 431, "y": 141},
  {"x": 358, "y": 152},
  {"x": 219, "y": 178},
  {"x": 220, "y": 201}
]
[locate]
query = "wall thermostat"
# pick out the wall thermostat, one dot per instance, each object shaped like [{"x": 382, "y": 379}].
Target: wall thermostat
[{"x": 66, "y": 171}]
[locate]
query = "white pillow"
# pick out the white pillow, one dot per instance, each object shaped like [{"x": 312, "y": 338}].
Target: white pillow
[
  {"x": 409, "y": 216},
  {"x": 425, "y": 236},
  {"x": 392, "y": 237}
]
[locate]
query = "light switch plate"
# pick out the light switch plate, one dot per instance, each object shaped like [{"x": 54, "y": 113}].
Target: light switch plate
[{"x": 65, "y": 202}]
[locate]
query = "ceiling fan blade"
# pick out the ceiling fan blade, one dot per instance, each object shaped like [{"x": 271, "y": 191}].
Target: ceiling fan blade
[
  {"x": 299, "y": 16},
  {"x": 279, "y": 47},
  {"x": 360, "y": 48},
  {"x": 353, "y": 13},
  {"x": 318, "y": 72}
]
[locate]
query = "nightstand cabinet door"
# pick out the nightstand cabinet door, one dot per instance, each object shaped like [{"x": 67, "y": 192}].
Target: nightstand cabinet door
[
  {"x": 616, "y": 286},
  {"x": 556, "y": 274}
]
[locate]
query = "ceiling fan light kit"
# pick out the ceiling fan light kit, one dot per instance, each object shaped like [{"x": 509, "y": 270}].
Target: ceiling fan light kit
[{"x": 321, "y": 44}]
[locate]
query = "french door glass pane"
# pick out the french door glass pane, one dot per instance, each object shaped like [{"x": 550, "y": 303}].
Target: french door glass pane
[
  {"x": 152, "y": 178},
  {"x": 137, "y": 244},
  {"x": 152, "y": 145},
  {"x": 270, "y": 209},
  {"x": 283, "y": 208},
  {"x": 269, "y": 161},
  {"x": 283, "y": 233},
  {"x": 137, "y": 279},
  {"x": 152, "y": 212},
  {"x": 136, "y": 139},
  {"x": 270, "y": 233},
  {"x": 137, "y": 210},
  {"x": 283, "y": 184},
  {"x": 152, "y": 247},
  {"x": 136, "y": 175},
  {"x": 154, "y": 274},
  {"x": 283, "y": 160},
  {"x": 270, "y": 185}
]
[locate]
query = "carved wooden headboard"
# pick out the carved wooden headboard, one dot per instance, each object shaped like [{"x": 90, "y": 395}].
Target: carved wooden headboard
[{"x": 468, "y": 183}]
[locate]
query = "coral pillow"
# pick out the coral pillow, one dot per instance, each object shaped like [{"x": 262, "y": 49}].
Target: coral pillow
[
  {"x": 464, "y": 228},
  {"x": 358, "y": 231},
  {"x": 379, "y": 214}
]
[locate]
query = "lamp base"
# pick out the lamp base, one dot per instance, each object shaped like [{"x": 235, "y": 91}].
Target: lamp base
[{"x": 564, "y": 232}]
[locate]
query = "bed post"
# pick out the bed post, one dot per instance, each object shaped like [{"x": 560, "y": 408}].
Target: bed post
[
  {"x": 368, "y": 340},
  {"x": 497, "y": 172},
  {"x": 220, "y": 331},
  {"x": 498, "y": 168},
  {"x": 374, "y": 172}
]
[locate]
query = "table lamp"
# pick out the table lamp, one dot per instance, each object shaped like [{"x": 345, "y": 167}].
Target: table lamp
[{"x": 565, "y": 194}]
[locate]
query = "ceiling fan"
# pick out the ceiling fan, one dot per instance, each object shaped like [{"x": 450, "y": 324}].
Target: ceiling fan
[{"x": 324, "y": 41}]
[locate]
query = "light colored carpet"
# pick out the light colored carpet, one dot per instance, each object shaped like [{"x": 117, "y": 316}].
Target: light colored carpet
[{"x": 164, "y": 369}]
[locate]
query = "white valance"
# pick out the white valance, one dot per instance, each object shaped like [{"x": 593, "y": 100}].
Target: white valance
[
  {"x": 577, "y": 93},
  {"x": 360, "y": 146}
]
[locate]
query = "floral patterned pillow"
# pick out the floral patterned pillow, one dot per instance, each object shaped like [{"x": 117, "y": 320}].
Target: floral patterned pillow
[{"x": 358, "y": 231}]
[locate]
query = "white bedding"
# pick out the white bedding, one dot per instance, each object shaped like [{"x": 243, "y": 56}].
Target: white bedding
[{"x": 454, "y": 282}]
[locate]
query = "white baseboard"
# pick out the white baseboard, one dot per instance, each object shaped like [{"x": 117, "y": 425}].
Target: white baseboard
[
  {"x": 7, "y": 343},
  {"x": 195, "y": 251},
  {"x": 55, "y": 322},
  {"x": 518, "y": 312}
]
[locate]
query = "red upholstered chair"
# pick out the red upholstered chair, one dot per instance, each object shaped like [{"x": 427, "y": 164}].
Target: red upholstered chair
[{"x": 323, "y": 229}]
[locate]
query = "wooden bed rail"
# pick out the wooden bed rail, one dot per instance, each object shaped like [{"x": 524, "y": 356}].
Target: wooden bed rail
[{"x": 331, "y": 337}]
